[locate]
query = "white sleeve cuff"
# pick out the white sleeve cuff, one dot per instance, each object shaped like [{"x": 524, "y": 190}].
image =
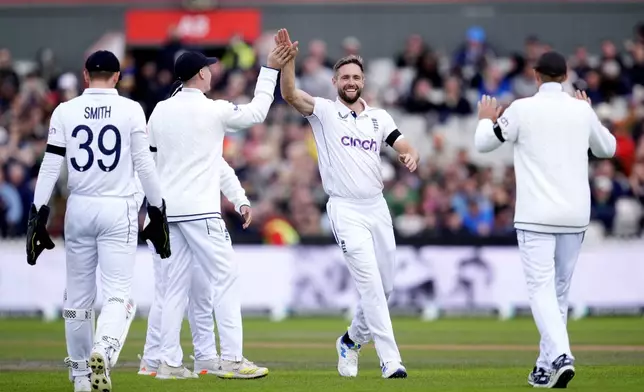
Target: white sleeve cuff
[
  {"x": 269, "y": 72},
  {"x": 240, "y": 204}
]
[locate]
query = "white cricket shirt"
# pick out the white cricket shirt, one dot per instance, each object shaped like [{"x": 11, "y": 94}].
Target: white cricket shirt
[
  {"x": 349, "y": 148},
  {"x": 551, "y": 133},
  {"x": 187, "y": 132},
  {"x": 230, "y": 187},
  {"x": 102, "y": 135}
]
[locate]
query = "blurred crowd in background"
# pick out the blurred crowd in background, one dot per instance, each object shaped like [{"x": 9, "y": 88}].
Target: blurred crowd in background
[{"x": 432, "y": 96}]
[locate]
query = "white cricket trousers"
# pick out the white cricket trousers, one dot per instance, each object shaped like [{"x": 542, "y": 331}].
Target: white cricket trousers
[
  {"x": 548, "y": 264},
  {"x": 206, "y": 242},
  {"x": 200, "y": 317},
  {"x": 364, "y": 231},
  {"x": 99, "y": 231}
]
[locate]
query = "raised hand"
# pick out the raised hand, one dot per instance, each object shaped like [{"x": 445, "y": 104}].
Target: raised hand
[
  {"x": 488, "y": 108},
  {"x": 279, "y": 56},
  {"x": 581, "y": 95},
  {"x": 282, "y": 38}
]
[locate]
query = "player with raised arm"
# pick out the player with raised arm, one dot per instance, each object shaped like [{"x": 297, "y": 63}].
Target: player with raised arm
[
  {"x": 349, "y": 134},
  {"x": 200, "y": 304},
  {"x": 187, "y": 132},
  {"x": 102, "y": 136},
  {"x": 551, "y": 133}
]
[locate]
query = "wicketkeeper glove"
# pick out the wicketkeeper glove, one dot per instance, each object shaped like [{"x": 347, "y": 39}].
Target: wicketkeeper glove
[
  {"x": 157, "y": 231},
  {"x": 38, "y": 238}
]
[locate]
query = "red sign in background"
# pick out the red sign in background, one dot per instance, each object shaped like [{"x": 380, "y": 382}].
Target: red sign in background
[
  {"x": 253, "y": 3},
  {"x": 150, "y": 27}
]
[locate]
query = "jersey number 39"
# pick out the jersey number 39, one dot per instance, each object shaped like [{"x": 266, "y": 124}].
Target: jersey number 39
[{"x": 86, "y": 146}]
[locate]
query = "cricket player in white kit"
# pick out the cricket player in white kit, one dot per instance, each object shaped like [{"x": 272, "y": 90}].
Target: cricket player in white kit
[
  {"x": 551, "y": 133},
  {"x": 187, "y": 133},
  {"x": 103, "y": 137},
  {"x": 349, "y": 135},
  {"x": 200, "y": 304}
]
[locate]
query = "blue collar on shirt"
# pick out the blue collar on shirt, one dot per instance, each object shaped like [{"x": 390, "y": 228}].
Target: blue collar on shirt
[
  {"x": 111, "y": 91},
  {"x": 345, "y": 111},
  {"x": 551, "y": 87}
]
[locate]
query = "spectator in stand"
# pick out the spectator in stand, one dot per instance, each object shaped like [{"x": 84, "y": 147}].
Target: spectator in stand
[
  {"x": 453, "y": 227},
  {"x": 603, "y": 203},
  {"x": 593, "y": 86},
  {"x": 414, "y": 50},
  {"x": 427, "y": 68},
  {"x": 533, "y": 48},
  {"x": 636, "y": 182},
  {"x": 11, "y": 208},
  {"x": 318, "y": 50},
  {"x": 172, "y": 49},
  {"x": 315, "y": 78},
  {"x": 17, "y": 177},
  {"x": 636, "y": 73},
  {"x": 524, "y": 85},
  {"x": 239, "y": 55},
  {"x": 453, "y": 195},
  {"x": 419, "y": 100},
  {"x": 625, "y": 153},
  {"x": 494, "y": 84},
  {"x": 473, "y": 53},
  {"x": 580, "y": 62},
  {"x": 351, "y": 46},
  {"x": 454, "y": 103},
  {"x": 9, "y": 80}
]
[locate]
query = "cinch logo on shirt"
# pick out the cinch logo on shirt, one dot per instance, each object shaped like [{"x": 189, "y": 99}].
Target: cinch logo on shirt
[{"x": 369, "y": 145}]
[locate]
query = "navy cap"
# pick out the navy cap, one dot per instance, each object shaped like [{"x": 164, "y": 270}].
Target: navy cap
[
  {"x": 189, "y": 64},
  {"x": 552, "y": 64},
  {"x": 102, "y": 61}
]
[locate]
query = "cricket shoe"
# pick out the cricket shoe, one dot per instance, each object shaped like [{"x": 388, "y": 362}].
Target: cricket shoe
[
  {"x": 82, "y": 384},
  {"x": 243, "y": 369},
  {"x": 209, "y": 366},
  {"x": 100, "y": 365},
  {"x": 167, "y": 372},
  {"x": 347, "y": 358},
  {"x": 539, "y": 378},
  {"x": 146, "y": 368},
  {"x": 563, "y": 370},
  {"x": 394, "y": 370}
]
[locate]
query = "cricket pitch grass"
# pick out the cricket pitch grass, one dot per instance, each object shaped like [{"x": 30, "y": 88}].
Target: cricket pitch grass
[{"x": 445, "y": 355}]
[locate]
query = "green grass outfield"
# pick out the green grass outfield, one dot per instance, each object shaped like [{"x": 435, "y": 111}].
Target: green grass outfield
[{"x": 445, "y": 355}]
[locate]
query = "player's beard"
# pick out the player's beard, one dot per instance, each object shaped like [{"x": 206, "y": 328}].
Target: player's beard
[{"x": 346, "y": 98}]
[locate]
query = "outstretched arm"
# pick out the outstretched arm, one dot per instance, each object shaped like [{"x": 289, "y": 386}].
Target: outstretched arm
[
  {"x": 300, "y": 100},
  {"x": 53, "y": 160},
  {"x": 492, "y": 131},
  {"x": 237, "y": 117},
  {"x": 602, "y": 143}
]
